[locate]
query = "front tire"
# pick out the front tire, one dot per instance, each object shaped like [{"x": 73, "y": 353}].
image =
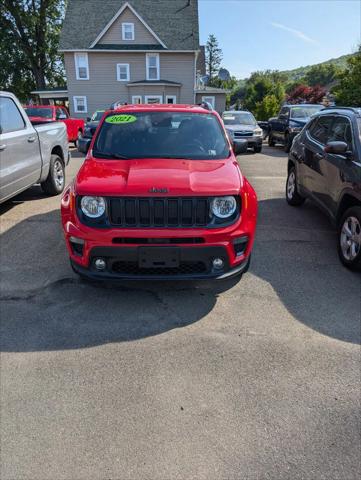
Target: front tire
[
  {"x": 288, "y": 143},
  {"x": 55, "y": 182},
  {"x": 257, "y": 149},
  {"x": 349, "y": 238},
  {"x": 271, "y": 142},
  {"x": 78, "y": 136},
  {"x": 292, "y": 196}
]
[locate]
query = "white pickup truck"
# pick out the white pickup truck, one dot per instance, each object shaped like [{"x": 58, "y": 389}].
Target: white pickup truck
[{"x": 30, "y": 154}]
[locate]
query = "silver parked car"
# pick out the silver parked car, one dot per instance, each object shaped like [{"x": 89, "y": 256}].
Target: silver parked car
[
  {"x": 241, "y": 126},
  {"x": 30, "y": 153}
]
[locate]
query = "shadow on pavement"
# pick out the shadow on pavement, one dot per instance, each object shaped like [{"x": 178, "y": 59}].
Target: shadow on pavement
[{"x": 44, "y": 306}]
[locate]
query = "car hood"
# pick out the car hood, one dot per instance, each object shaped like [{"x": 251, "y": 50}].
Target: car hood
[
  {"x": 241, "y": 127},
  {"x": 301, "y": 122},
  {"x": 177, "y": 177}
]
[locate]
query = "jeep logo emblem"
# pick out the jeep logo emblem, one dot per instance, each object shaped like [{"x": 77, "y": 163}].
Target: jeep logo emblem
[{"x": 158, "y": 190}]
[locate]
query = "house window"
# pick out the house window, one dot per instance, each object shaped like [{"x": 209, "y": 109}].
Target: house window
[
  {"x": 136, "y": 99},
  {"x": 81, "y": 66},
  {"x": 151, "y": 99},
  {"x": 80, "y": 105},
  {"x": 152, "y": 61},
  {"x": 127, "y": 31},
  {"x": 123, "y": 72},
  {"x": 171, "y": 99},
  {"x": 211, "y": 100}
]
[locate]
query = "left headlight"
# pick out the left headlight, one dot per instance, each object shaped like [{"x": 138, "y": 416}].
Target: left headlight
[
  {"x": 258, "y": 132},
  {"x": 93, "y": 207},
  {"x": 223, "y": 207},
  {"x": 230, "y": 133}
]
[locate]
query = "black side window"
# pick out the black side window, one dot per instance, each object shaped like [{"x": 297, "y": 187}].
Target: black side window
[
  {"x": 341, "y": 131},
  {"x": 319, "y": 129},
  {"x": 10, "y": 117}
]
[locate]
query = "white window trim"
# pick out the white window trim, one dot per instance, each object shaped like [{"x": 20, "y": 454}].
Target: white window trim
[
  {"x": 212, "y": 102},
  {"x": 171, "y": 96},
  {"x": 134, "y": 97},
  {"x": 146, "y": 98},
  {"x": 75, "y": 98},
  {"x": 128, "y": 72},
  {"x": 127, "y": 24},
  {"x": 76, "y": 56},
  {"x": 148, "y": 55}
]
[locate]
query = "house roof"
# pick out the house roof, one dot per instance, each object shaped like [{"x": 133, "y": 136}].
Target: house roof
[{"x": 174, "y": 22}]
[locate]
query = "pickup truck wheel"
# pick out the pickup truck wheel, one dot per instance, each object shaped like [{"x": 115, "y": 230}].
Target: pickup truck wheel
[
  {"x": 271, "y": 142},
  {"x": 78, "y": 136},
  {"x": 55, "y": 182},
  {"x": 288, "y": 143},
  {"x": 292, "y": 196},
  {"x": 349, "y": 238}
]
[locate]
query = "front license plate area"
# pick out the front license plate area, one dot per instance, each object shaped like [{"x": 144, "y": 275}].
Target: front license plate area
[{"x": 154, "y": 257}]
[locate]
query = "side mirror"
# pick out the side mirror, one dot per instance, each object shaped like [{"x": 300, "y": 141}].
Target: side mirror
[
  {"x": 84, "y": 144},
  {"x": 337, "y": 148},
  {"x": 88, "y": 119}
]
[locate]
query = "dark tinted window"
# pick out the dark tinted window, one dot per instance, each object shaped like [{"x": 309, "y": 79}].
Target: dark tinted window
[
  {"x": 341, "y": 131},
  {"x": 319, "y": 129},
  {"x": 305, "y": 111},
  {"x": 39, "y": 112},
  {"x": 10, "y": 117},
  {"x": 285, "y": 111},
  {"x": 152, "y": 134}
]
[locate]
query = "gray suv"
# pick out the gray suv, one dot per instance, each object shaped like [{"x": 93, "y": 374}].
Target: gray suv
[{"x": 243, "y": 129}]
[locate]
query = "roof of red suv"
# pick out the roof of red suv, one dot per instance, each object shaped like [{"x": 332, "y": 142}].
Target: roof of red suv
[{"x": 162, "y": 108}]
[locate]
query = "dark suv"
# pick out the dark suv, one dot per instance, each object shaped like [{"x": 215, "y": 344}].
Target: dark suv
[
  {"x": 290, "y": 121},
  {"x": 325, "y": 165}
]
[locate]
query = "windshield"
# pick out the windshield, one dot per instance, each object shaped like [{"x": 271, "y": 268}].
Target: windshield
[
  {"x": 305, "y": 111},
  {"x": 39, "y": 112},
  {"x": 239, "y": 119},
  {"x": 161, "y": 135},
  {"x": 97, "y": 116},
  {"x": 359, "y": 126}
]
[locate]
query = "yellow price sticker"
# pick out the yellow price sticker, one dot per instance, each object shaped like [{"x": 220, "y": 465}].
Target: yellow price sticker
[{"x": 120, "y": 119}]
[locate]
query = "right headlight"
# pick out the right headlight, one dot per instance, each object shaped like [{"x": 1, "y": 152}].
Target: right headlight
[
  {"x": 223, "y": 207},
  {"x": 93, "y": 207}
]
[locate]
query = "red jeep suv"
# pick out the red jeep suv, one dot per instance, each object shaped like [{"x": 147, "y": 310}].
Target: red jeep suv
[{"x": 159, "y": 196}]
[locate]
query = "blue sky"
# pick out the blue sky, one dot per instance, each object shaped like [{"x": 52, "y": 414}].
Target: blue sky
[{"x": 280, "y": 35}]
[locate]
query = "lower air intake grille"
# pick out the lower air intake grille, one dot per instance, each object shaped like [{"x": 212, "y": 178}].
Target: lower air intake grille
[{"x": 185, "y": 268}]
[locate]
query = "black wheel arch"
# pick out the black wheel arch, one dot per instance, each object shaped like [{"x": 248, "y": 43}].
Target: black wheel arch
[
  {"x": 348, "y": 200},
  {"x": 57, "y": 150}
]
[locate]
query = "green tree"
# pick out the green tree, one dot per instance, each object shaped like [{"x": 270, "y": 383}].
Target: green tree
[
  {"x": 214, "y": 56},
  {"x": 29, "y": 36},
  {"x": 323, "y": 74},
  {"x": 268, "y": 107},
  {"x": 348, "y": 91},
  {"x": 261, "y": 84}
]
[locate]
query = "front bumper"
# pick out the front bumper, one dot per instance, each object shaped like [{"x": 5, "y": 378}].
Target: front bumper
[
  {"x": 251, "y": 141},
  {"x": 195, "y": 263}
]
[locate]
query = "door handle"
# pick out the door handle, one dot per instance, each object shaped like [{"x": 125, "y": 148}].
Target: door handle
[
  {"x": 318, "y": 156},
  {"x": 2, "y": 147},
  {"x": 31, "y": 139}
]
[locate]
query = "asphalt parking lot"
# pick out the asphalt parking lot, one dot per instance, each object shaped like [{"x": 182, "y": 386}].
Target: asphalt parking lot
[{"x": 252, "y": 380}]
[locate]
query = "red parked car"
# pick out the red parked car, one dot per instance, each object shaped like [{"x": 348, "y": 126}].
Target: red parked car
[
  {"x": 51, "y": 113},
  {"x": 159, "y": 196}
]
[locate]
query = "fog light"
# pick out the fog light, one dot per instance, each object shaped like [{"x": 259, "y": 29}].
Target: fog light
[
  {"x": 218, "y": 263},
  {"x": 100, "y": 264}
]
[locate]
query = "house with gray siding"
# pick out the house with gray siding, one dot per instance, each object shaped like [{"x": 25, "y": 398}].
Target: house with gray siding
[{"x": 135, "y": 51}]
